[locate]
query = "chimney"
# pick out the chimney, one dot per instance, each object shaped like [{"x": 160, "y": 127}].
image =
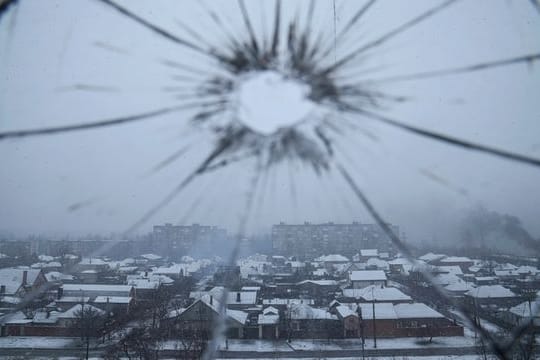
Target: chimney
[
  {"x": 238, "y": 297},
  {"x": 211, "y": 300},
  {"x": 2, "y": 289},
  {"x": 24, "y": 277},
  {"x": 146, "y": 274},
  {"x": 60, "y": 293}
]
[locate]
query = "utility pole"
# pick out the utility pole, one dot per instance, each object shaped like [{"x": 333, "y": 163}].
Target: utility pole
[
  {"x": 361, "y": 325},
  {"x": 374, "y": 321}
]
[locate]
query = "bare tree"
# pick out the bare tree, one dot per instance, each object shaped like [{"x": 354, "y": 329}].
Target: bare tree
[{"x": 89, "y": 321}]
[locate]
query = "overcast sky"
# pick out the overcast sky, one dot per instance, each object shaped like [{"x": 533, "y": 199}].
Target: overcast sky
[{"x": 48, "y": 46}]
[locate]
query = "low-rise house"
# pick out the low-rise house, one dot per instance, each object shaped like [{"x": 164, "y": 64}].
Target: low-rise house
[
  {"x": 15, "y": 283},
  {"x": 400, "y": 266},
  {"x": 485, "y": 280},
  {"x": 463, "y": 262},
  {"x": 200, "y": 318},
  {"x": 94, "y": 290},
  {"x": 91, "y": 263},
  {"x": 419, "y": 320},
  {"x": 147, "y": 283},
  {"x": 521, "y": 314},
  {"x": 67, "y": 302},
  {"x": 237, "y": 300},
  {"x": 305, "y": 322},
  {"x": 268, "y": 322},
  {"x": 377, "y": 264},
  {"x": 431, "y": 258},
  {"x": 58, "y": 277},
  {"x": 318, "y": 288},
  {"x": 374, "y": 293},
  {"x": 389, "y": 320},
  {"x": 328, "y": 261},
  {"x": 114, "y": 304},
  {"x": 47, "y": 322},
  {"x": 150, "y": 259},
  {"x": 496, "y": 295},
  {"x": 459, "y": 288},
  {"x": 363, "y": 278},
  {"x": 69, "y": 317},
  {"x": 282, "y": 304},
  {"x": 365, "y": 254}
]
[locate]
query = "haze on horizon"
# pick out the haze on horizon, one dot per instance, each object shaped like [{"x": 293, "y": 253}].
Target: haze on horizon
[{"x": 105, "y": 175}]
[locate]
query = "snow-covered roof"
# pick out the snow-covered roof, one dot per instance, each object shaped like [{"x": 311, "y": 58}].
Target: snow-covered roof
[
  {"x": 369, "y": 252},
  {"x": 431, "y": 257},
  {"x": 451, "y": 269},
  {"x": 43, "y": 317},
  {"x": 527, "y": 270},
  {"x": 45, "y": 258},
  {"x": 415, "y": 311},
  {"x": 12, "y": 278},
  {"x": 446, "y": 279},
  {"x": 237, "y": 315},
  {"x": 251, "y": 288},
  {"x": 175, "y": 269},
  {"x": 320, "y": 272},
  {"x": 58, "y": 276},
  {"x": 368, "y": 275},
  {"x": 374, "y": 292},
  {"x": 72, "y": 312},
  {"x": 304, "y": 312},
  {"x": 279, "y": 301},
  {"x": 460, "y": 286},
  {"x": 380, "y": 264},
  {"x": 112, "y": 300},
  {"x": 296, "y": 264},
  {"x": 332, "y": 258},
  {"x": 319, "y": 282},
  {"x": 400, "y": 261},
  {"x": 506, "y": 273},
  {"x": 455, "y": 259},
  {"x": 14, "y": 300},
  {"x": 490, "y": 291},
  {"x": 345, "y": 311},
  {"x": 524, "y": 309},
  {"x": 146, "y": 284},
  {"x": 382, "y": 311},
  {"x": 187, "y": 259},
  {"x": 92, "y": 261},
  {"x": 246, "y": 297},
  {"x": 267, "y": 319},
  {"x": 16, "y": 318},
  {"x": 270, "y": 310},
  {"x": 151, "y": 257},
  {"x": 82, "y": 288},
  {"x": 73, "y": 299},
  {"x": 127, "y": 269}
]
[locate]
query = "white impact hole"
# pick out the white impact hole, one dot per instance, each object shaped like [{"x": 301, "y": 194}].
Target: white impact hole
[{"x": 269, "y": 101}]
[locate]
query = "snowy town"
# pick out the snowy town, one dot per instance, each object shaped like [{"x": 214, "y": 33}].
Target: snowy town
[{"x": 375, "y": 302}]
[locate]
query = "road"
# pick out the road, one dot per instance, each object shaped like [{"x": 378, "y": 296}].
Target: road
[{"x": 79, "y": 353}]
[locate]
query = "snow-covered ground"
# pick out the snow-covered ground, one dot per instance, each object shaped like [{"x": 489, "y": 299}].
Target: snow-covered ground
[
  {"x": 37, "y": 342},
  {"x": 348, "y": 344},
  {"x": 451, "y": 357}
]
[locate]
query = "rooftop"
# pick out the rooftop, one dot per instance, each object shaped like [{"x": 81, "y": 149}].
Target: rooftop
[{"x": 368, "y": 275}]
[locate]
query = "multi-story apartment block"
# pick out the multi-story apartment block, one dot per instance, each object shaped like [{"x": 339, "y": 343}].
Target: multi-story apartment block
[
  {"x": 310, "y": 240},
  {"x": 184, "y": 239}
]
